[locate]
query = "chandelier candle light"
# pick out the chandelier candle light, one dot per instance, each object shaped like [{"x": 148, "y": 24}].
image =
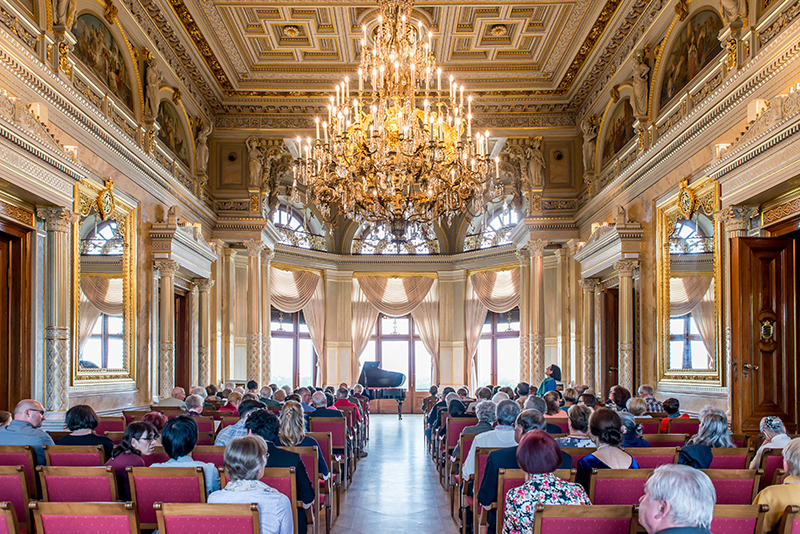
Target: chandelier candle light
[{"x": 402, "y": 152}]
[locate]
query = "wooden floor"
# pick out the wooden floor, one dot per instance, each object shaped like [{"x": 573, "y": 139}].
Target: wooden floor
[{"x": 396, "y": 488}]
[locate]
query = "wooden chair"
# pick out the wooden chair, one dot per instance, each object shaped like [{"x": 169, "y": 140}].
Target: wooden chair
[
  {"x": 14, "y": 490},
  {"x": 227, "y": 421},
  {"x": 311, "y": 462},
  {"x": 684, "y": 425},
  {"x": 105, "y": 517},
  {"x": 228, "y": 518},
  {"x": 609, "y": 519},
  {"x": 205, "y": 439},
  {"x": 649, "y": 425},
  {"x": 335, "y": 467},
  {"x": 354, "y": 432},
  {"x": 453, "y": 429},
  {"x": 209, "y": 453},
  {"x": 150, "y": 485},
  {"x": 337, "y": 427},
  {"x": 779, "y": 476},
  {"x": 74, "y": 455},
  {"x": 78, "y": 484},
  {"x": 725, "y": 458},
  {"x": 666, "y": 440},
  {"x": 566, "y": 474},
  {"x": 507, "y": 480},
  {"x": 577, "y": 453},
  {"x": 617, "y": 486},
  {"x": 479, "y": 517},
  {"x": 652, "y": 457},
  {"x": 115, "y": 436},
  {"x": 282, "y": 479},
  {"x": 739, "y": 519},
  {"x": 8, "y": 519},
  {"x": 110, "y": 423},
  {"x": 133, "y": 415},
  {"x": 465, "y": 441},
  {"x": 56, "y": 435},
  {"x": 735, "y": 486},
  {"x": 790, "y": 521},
  {"x": 158, "y": 456},
  {"x": 771, "y": 461},
  {"x": 14, "y": 455},
  {"x": 741, "y": 440},
  {"x": 561, "y": 422}
]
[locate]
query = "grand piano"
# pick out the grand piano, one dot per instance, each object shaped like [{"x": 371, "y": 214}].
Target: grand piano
[{"x": 380, "y": 384}]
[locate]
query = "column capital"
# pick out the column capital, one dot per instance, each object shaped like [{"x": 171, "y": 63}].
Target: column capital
[
  {"x": 167, "y": 267},
  {"x": 736, "y": 219},
  {"x": 524, "y": 256},
  {"x": 58, "y": 219},
  {"x": 588, "y": 284},
  {"x": 536, "y": 247},
  {"x": 203, "y": 284},
  {"x": 266, "y": 255},
  {"x": 229, "y": 252},
  {"x": 254, "y": 247},
  {"x": 626, "y": 267}
]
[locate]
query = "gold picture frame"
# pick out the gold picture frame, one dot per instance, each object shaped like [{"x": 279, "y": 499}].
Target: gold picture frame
[{"x": 704, "y": 195}]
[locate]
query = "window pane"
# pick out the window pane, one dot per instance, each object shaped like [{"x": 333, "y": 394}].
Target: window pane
[
  {"x": 508, "y": 362},
  {"x": 693, "y": 328},
  {"x": 98, "y": 327},
  {"x": 281, "y": 359},
  {"x": 676, "y": 326},
  {"x": 700, "y": 359},
  {"x": 302, "y": 327},
  {"x": 93, "y": 351},
  {"x": 394, "y": 356},
  {"x": 676, "y": 354},
  {"x": 115, "y": 353},
  {"x": 422, "y": 367},
  {"x": 115, "y": 325},
  {"x": 485, "y": 362},
  {"x": 306, "y": 362},
  {"x": 392, "y": 326},
  {"x": 367, "y": 356},
  {"x": 487, "y": 324},
  {"x": 509, "y": 321},
  {"x": 281, "y": 322}
]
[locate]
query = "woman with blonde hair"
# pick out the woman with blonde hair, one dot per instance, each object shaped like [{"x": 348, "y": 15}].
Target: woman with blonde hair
[{"x": 292, "y": 433}]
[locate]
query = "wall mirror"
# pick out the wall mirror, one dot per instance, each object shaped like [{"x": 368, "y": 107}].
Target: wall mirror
[
  {"x": 104, "y": 282},
  {"x": 689, "y": 296}
]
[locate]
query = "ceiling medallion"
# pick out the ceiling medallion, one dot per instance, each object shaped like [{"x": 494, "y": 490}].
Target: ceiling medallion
[
  {"x": 402, "y": 153},
  {"x": 291, "y": 31},
  {"x": 499, "y": 30}
]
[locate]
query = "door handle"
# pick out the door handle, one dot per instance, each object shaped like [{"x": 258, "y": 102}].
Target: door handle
[
  {"x": 612, "y": 369},
  {"x": 748, "y": 366}
]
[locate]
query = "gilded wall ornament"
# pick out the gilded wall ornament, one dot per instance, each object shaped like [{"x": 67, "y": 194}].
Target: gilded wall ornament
[
  {"x": 105, "y": 200},
  {"x": 686, "y": 200}
]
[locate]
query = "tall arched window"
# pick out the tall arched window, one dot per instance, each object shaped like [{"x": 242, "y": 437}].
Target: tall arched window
[
  {"x": 293, "y": 359},
  {"x": 498, "y": 350},
  {"x": 103, "y": 239},
  {"x": 497, "y": 231},
  {"x": 294, "y": 232},
  {"x": 396, "y": 344},
  {"x": 376, "y": 239}
]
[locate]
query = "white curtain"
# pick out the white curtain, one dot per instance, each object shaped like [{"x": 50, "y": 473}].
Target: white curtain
[
  {"x": 426, "y": 319},
  {"x": 98, "y": 296},
  {"x": 695, "y": 295},
  {"x": 364, "y": 317},
  {"x": 395, "y": 297}
]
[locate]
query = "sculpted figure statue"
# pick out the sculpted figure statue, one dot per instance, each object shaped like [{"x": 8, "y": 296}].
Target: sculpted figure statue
[
  {"x": 640, "y": 72},
  {"x": 255, "y": 161},
  {"x": 536, "y": 164},
  {"x": 589, "y": 139},
  {"x": 65, "y": 13},
  {"x": 152, "y": 88},
  {"x": 732, "y": 8},
  {"x": 202, "y": 148}
]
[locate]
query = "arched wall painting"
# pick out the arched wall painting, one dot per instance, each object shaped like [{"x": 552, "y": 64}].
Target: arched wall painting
[
  {"x": 619, "y": 131},
  {"x": 172, "y": 133},
  {"x": 98, "y": 50},
  {"x": 695, "y": 47}
]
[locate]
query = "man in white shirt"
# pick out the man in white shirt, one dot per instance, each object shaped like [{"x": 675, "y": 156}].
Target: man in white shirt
[
  {"x": 176, "y": 398},
  {"x": 501, "y": 436}
]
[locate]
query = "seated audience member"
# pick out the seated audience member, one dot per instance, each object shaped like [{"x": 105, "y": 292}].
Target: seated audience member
[
  {"x": 508, "y": 391},
  {"x": 617, "y": 399},
  {"x": 234, "y": 399},
  {"x": 26, "y": 429},
  {"x": 179, "y": 439},
  {"x": 330, "y": 389},
  {"x": 581, "y": 389},
  {"x": 329, "y": 399},
  {"x": 570, "y": 399},
  {"x": 578, "y": 423},
  {"x": 240, "y": 390},
  {"x": 553, "y": 375},
  {"x": 265, "y": 396},
  {"x": 522, "y": 391},
  {"x": 774, "y": 434},
  {"x": 486, "y": 412},
  {"x": 588, "y": 400},
  {"x": 287, "y": 389},
  {"x": 713, "y": 433},
  {"x": 430, "y": 400},
  {"x": 203, "y": 394},
  {"x": 779, "y": 496},
  {"x": 637, "y": 407},
  {"x": 457, "y": 409},
  {"x": 194, "y": 406},
  {"x": 81, "y": 420},
  {"x": 677, "y": 500},
  {"x": 305, "y": 399},
  {"x": 5, "y": 418},
  {"x": 500, "y": 396},
  {"x": 539, "y": 456},
  {"x": 230, "y": 384},
  {"x": 501, "y": 436},
  {"x": 672, "y": 407},
  {"x": 320, "y": 402},
  {"x": 363, "y": 400},
  {"x": 212, "y": 391},
  {"x": 237, "y": 430},
  {"x": 138, "y": 440},
  {"x": 553, "y": 402},
  {"x": 175, "y": 398},
  {"x": 159, "y": 421},
  {"x": 463, "y": 395},
  {"x": 265, "y": 424},
  {"x": 252, "y": 387},
  {"x": 482, "y": 394},
  {"x": 527, "y": 421},
  {"x": 245, "y": 459},
  {"x": 653, "y": 405},
  {"x": 294, "y": 397},
  {"x": 280, "y": 396},
  {"x": 292, "y": 433},
  {"x": 632, "y": 432},
  {"x": 537, "y": 403},
  {"x": 605, "y": 428},
  {"x": 441, "y": 406}
]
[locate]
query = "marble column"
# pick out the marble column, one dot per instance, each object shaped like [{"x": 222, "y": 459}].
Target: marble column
[
  {"x": 524, "y": 256},
  {"x": 588, "y": 285},
  {"x": 625, "y": 269},
  {"x": 228, "y": 300},
  {"x": 575, "y": 310},
  {"x": 58, "y": 357},
  {"x": 562, "y": 312},
  {"x": 166, "y": 327},
  {"x": 266, "y": 314},
  {"x": 537, "y": 310},
  {"x": 599, "y": 333},
  {"x": 254, "y": 248},
  {"x": 204, "y": 286}
]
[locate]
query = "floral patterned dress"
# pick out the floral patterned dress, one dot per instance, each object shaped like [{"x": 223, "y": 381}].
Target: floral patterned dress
[{"x": 540, "y": 489}]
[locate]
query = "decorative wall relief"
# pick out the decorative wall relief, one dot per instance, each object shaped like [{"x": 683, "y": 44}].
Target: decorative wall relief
[{"x": 172, "y": 132}]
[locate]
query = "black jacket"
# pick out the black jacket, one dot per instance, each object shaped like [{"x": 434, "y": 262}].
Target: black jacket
[
  {"x": 305, "y": 491},
  {"x": 433, "y": 416},
  {"x": 325, "y": 412},
  {"x": 697, "y": 456}
]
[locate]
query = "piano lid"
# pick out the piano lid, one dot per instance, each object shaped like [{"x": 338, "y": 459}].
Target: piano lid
[{"x": 372, "y": 376}]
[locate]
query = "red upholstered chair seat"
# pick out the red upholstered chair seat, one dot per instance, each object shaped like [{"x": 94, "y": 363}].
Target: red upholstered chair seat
[
  {"x": 67, "y": 485},
  {"x": 77, "y": 456},
  {"x": 66, "y": 518},
  {"x": 577, "y": 453},
  {"x": 200, "y": 518},
  {"x": 653, "y": 461},
  {"x": 595, "y": 525},
  {"x": 158, "y": 456},
  {"x": 8, "y": 519},
  {"x": 733, "y": 491},
  {"x": 619, "y": 491},
  {"x": 164, "y": 484},
  {"x": 12, "y": 456},
  {"x": 13, "y": 489},
  {"x": 210, "y": 454},
  {"x": 734, "y": 525},
  {"x": 228, "y": 524},
  {"x": 58, "y": 524}
]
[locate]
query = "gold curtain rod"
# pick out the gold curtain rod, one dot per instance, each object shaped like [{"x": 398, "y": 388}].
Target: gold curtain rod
[
  {"x": 296, "y": 269},
  {"x": 495, "y": 268},
  {"x": 396, "y": 275}
]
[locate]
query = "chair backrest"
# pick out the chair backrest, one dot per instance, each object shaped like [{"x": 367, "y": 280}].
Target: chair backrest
[
  {"x": 666, "y": 440},
  {"x": 204, "y": 424},
  {"x": 652, "y": 457},
  {"x": 725, "y": 458},
  {"x": 13, "y": 455},
  {"x": 14, "y": 490},
  {"x": 771, "y": 461},
  {"x": 735, "y": 486},
  {"x": 325, "y": 446},
  {"x": 228, "y": 518},
  {"x": 552, "y": 519},
  {"x": 349, "y": 414},
  {"x": 566, "y": 474},
  {"x": 779, "y": 477},
  {"x": 739, "y": 519},
  {"x": 205, "y": 438},
  {"x": 133, "y": 415},
  {"x": 577, "y": 453},
  {"x": 106, "y": 517},
  {"x": 683, "y": 425},
  {"x": 481, "y": 455},
  {"x": 8, "y": 519},
  {"x": 227, "y": 421},
  {"x": 790, "y": 521},
  {"x": 334, "y": 425},
  {"x": 282, "y": 479},
  {"x": 741, "y": 440},
  {"x": 74, "y": 455},
  {"x": 56, "y": 435},
  {"x": 114, "y": 436},
  {"x": 150, "y": 485},
  {"x": 507, "y": 480},
  {"x": 158, "y": 456},
  {"x": 310, "y": 461},
  {"x": 617, "y": 486},
  {"x": 275, "y": 409},
  {"x": 561, "y": 422},
  {"x": 454, "y": 427},
  {"x": 78, "y": 484},
  {"x": 209, "y": 453},
  {"x": 466, "y": 445},
  {"x": 110, "y": 423},
  {"x": 650, "y": 425}
]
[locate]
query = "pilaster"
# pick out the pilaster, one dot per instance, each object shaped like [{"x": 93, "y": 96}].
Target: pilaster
[
  {"x": 228, "y": 300},
  {"x": 588, "y": 285},
  {"x": 562, "y": 296},
  {"x": 204, "y": 286},
  {"x": 166, "y": 329},
  {"x": 266, "y": 313},
  {"x": 524, "y": 256},
  {"x": 537, "y": 310},
  {"x": 625, "y": 269},
  {"x": 254, "y": 248}
]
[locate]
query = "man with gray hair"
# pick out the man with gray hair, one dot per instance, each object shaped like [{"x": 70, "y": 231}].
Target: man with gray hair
[
  {"x": 537, "y": 403},
  {"x": 486, "y": 412},
  {"x": 653, "y": 405},
  {"x": 265, "y": 396},
  {"x": 501, "y": 436},
  {"x": 194, "y": 406},
  {"x": 176, "y": 398},
  {"x": 677, "y": 500}
]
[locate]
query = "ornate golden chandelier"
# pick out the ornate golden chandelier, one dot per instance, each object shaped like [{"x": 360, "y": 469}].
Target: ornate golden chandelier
[{"x": 402, "y": 153}]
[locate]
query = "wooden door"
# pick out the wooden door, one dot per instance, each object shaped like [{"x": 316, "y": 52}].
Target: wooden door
[
  {"x": 609, "y": 360},
  {"x": 763, "y": 330},
  {"x": 183, "y": 347}
]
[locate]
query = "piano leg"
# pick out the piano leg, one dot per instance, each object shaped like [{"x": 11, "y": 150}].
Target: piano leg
[{"x": 399, "y": 409}]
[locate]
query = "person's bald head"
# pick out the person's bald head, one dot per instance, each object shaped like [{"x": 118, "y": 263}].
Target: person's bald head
[
  {"x": 319, "y": 400},
  {"x": 178, "y": 393},
  {"x": 30, "y": 411}
]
